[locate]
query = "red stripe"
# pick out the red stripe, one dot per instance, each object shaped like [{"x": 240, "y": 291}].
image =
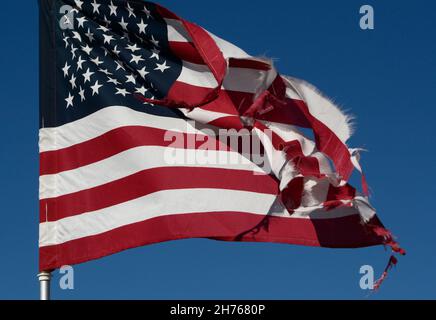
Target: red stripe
[
  {"x": 346, "y": 192},
  {"x": 228, "y": 122},
  {"x": 291, "y": 115},
  {"x": 307, "y": 166},
  {"x": 208, "y": 50},
  {"x": 328, "y": 143},
  {"x": 187, "y": 95},
  {"x": 292, "y": 195},
  {"x": 186, "y": 51},
  {"x": 151, "y": 181},
  {"x": 165, "y": 13},
  {"x": 249, "y": 64},
  {"x": 112, "y": 143},
  {"x": 229, "y": 102},
  {"x": 346, "y": 232}
]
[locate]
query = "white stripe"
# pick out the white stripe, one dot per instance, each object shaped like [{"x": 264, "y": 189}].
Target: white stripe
[
  {"x": 321, "y": 107},
  {"x": 291, "y": 93},
  {"x": 176, "y": 31},
  {"x": 360, "y": 207},
  {"x": 237, "y": 79},
  {"x": 136, "y": 160},
  {"x": 273, "y": 160},
  {"x": 102, "y": 122},
  {"x": 204, "y": 116},
  {"x": 314, "y": 192},
  {"x": 197, "y": 75},
  {"x": 228, "y": 49},
  {"x": 325, "y": 167},
  {"x": 291, "y": 133},
  {"x": 248, "y": 80},
  {"x": 163, "y": 203}
]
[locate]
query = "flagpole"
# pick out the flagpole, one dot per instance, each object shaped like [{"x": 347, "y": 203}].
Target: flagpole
[{"x": 44, "y": 285}]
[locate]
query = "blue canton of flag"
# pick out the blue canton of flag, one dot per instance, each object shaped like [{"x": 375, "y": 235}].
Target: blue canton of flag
[{"x": 107, "y": 53}]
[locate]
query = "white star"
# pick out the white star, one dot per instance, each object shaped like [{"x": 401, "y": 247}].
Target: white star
[
  {"x": 147, "y": 12},
  {"x": 97, "y": 61},
  {"x": 79, "y": 63},
  {"x": 115, "y": 51},
  {"x": 123, "y": 24},
  {"x": 78, "y": 4},
  {"x": 114, "y": 81},
  {"x": 77, "y": 36},
  {"x": 87, "y": 76},
  {"x": 106, "y": 21},
  {"x": 122, "y": 92},
  {"x": 95, "y": 88},
  {"x": 143, "y": 73},
  {"x": 73, "y": 51},
  {"x": 141, "y": 90},
  {"x": 87, "y": 49},
  {"x": 105, "y": 71},
  {"x": 81, "y": 21},
  {"x": 154, "y": 41},
  {"x": 108, "y": 39},
  {"x": 103, "y": 28},
  {"x": 131, "y": 78},
  {"x": 65, "y": 69},
  {"x": 66, "y": 41},
  {"x": 95, "y": 6},
  {"x": 162, "y": 67},
  {"x": 113, "y": 9},
  {"x": 155, "y": 54},
  {"x": 133, "y": 48},
  {"x": 90, "y": 35},
  {"x": 69, "y": 100},
  {"x": 73, "y": 81},
  {"x": 142, "y": 26},
  {"x": 119, "y": 65},
  {"x": 136, "y": 59},
  {"x": 130, "y": 9},
  {"x": 82, "y": 94}
]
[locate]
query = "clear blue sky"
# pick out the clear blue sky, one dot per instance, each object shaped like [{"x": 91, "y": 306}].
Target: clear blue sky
[{"x": 385, "y": 77}]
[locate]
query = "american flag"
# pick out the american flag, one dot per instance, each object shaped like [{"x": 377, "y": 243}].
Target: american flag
[{"x": 118, "y": 76}]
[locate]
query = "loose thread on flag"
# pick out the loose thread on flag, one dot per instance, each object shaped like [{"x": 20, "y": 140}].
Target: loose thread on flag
[
  {"x": 392, "y": 262},
  {"x": 389, "y": 241}
]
